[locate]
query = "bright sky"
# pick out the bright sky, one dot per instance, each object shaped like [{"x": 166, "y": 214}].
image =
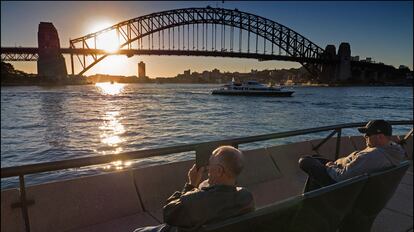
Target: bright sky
[{"x": 381, "y": 30}]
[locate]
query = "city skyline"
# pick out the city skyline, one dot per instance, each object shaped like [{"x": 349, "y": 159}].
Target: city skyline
[{"x": 381, "y": 30}]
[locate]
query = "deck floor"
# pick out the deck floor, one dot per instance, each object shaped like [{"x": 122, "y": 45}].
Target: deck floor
[{"x": 398, "y": 214}]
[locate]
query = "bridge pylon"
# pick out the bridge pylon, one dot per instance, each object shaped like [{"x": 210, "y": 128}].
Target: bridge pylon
[
  {"x": 329, "y": 69},
  {"x": 344, "y": 65},
  {"x": 340, "y": 70},
  {"x": 51, "y": 63}
]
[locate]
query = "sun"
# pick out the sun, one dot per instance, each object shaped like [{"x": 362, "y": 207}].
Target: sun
[{"x": 107, "y": 41}]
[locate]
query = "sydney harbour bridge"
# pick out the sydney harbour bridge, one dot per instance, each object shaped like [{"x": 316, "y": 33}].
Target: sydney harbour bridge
[{"x": 206, "y": 31}]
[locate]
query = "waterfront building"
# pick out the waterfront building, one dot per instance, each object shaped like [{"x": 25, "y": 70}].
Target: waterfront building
[
  {"x": 215, "y": 73},
  {"x": 403, "y": 67},
  {"x": 141, "y": 70},
  {"x": 355, "y": 58},
  {"x": 187, "y": 72},
  {"x": 368, "y": 60},
  {"x": 206, "y": 74}
]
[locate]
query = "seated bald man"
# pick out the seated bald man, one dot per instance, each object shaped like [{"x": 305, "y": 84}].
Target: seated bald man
[{"x": 195, "y": 205}]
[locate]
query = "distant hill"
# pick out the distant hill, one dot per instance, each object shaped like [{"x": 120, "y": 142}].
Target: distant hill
[{"x": 12, "y": 77}]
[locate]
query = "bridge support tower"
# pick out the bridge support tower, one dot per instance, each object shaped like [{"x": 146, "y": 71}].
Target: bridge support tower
[
  {"x": 329, "y": 70},
  {"x": 51, "y": 63},
  {"x": 343, "y": 70},
  {"x": 339, "y": 71}
]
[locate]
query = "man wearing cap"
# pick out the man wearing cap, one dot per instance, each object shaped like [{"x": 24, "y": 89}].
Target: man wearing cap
[{"x": 381, "y": 153}]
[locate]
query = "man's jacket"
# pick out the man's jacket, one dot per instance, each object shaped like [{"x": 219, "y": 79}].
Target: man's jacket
[
  {"x": 369, "y": 160},
  {"x": 194, "y": 207}
]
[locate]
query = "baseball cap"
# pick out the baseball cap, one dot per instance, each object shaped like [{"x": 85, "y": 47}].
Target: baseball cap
[{"x": 376, "y": 127}]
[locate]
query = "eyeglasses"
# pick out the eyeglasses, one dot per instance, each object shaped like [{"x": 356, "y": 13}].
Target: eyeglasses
[{"x": 369, "y": 135}]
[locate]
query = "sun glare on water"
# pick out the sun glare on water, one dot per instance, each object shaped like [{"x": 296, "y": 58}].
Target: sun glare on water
[
  {"x": 111, "y": 135},
  {"x": 110, "y": 88}
]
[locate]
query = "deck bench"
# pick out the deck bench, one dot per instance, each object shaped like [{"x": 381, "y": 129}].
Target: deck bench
[
  {"x": 85, "y": 202},
  {"x": 134, "y": 198},
  {"x": 373, "y": 198},
  {"x": 317, "y": 210},
  {"x": 276, "y": 215},
  {"x": 350, "y": 205}
]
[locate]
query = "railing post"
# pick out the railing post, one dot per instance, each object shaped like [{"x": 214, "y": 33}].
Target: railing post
[
  {"x": 338, "y": 143},
  {"x": 23, "y": 203},
  {"x": 324, "y": 140}
]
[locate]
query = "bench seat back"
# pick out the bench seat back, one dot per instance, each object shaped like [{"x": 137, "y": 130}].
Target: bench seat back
[
  {"x": 319, "y": 210},
  {"x": 275, "y": 216},
  {"x": 322, "y": 210},
  {"x": 80, "y": 202},
  {"x": 373, "y": 198}
]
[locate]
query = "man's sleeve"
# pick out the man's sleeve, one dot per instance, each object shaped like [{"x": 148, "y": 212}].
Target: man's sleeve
[
  {"x": 187, "y": 187},
  {"x": 344, "y": 160},
  {"x": 362, "y": 164},
  {"x": 186, "y": 211}
]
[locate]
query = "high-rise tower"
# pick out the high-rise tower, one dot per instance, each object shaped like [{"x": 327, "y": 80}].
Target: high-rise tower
[{"x": 141, "y": 70}]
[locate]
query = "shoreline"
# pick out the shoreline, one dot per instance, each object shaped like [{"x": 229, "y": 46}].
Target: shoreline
[
  {"x": 13, "y": 77},
  {"x": 203, "y": 83}
]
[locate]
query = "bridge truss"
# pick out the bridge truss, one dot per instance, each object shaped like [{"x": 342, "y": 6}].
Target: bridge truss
[
  {"x": 203, "y": 32},
  {"x": 19, "y": 56}
]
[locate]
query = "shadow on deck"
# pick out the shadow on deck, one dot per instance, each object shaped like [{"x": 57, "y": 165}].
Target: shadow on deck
[{"x": 397, "y": 216}]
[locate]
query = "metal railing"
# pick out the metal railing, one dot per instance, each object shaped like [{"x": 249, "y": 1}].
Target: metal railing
[{"x": 201, "y": 149}]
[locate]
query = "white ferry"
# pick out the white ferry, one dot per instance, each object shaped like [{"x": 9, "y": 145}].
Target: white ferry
[{"x": 253, "y": 88}]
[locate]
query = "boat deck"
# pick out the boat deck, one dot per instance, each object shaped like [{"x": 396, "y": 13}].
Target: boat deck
[
  {"x": 397, "y": 216},
  {"x": 125, "y": 200}
]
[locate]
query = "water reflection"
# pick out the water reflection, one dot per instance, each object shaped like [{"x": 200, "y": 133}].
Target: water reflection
[
  {"x": 54, "y": 116},
  {"x": 117, "y": 165},
  {"x": 112, "y": 130}
]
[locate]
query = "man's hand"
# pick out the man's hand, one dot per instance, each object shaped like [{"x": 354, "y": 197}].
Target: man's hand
[
  {"x": 330, "y": 164},
  {"x": 194, "y": 176}
]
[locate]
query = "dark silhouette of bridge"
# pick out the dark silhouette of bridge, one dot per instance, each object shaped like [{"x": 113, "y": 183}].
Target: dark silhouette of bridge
[
  {"x": 201, "y": 32},
  {"x": 31, "y": 54}
]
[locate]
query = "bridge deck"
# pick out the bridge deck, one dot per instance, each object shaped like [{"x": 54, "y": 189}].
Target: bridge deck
[{"x": 398, "y": 214}]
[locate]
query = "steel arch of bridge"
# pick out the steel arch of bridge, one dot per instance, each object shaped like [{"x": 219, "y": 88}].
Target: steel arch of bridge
[{"x": 134, "y": 30}]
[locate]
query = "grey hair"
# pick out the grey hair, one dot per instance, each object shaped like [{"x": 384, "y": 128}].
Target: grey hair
[{"x": 232, "y": 158}]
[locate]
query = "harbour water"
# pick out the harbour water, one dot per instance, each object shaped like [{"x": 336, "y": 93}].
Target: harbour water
[{"x": 41, "y": 124}]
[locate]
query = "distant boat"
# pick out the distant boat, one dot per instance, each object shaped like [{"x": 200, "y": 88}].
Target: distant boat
[{"x": 252, "y": 88}]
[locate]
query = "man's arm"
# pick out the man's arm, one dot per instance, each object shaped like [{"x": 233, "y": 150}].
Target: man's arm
[
  {"x": 178, "y": 209},
  {"x": 363, "y": 163},
  {"x": 194, "y": 179},
  {"x": 188, "y": 210},
  {"x": 177, "y": 194},
  {"x": 345, "y": 160}
]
